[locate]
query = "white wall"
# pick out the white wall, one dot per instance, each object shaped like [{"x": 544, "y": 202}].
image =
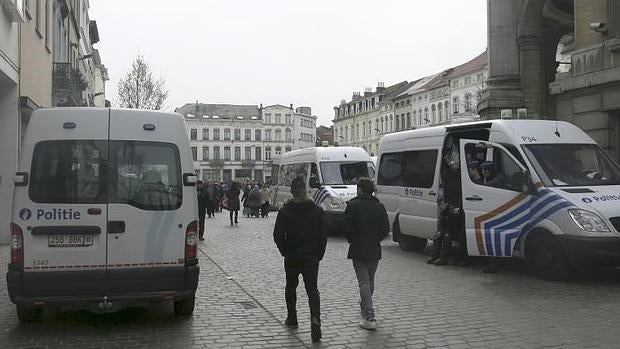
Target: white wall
[{"x": 9, "y": 140}]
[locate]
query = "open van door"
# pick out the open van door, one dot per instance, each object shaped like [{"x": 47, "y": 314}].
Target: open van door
[{"x": 496, "y": 199}]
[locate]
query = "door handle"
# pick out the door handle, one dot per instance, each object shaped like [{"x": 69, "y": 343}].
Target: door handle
[
  {"x": 432, "y": 193},
  {"x": 116, "y": 227},
  {"x": 474, "y": 198}
]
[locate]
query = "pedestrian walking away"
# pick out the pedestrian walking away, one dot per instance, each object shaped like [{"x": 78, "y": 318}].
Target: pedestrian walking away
[
  {"x": 366, "y": 225},
  {"x": 254, "y": 201},
  {"x": 301, "y": 237},
  {"x": 211, "y": 193},
  {"x": 233, "y": 202},
  {"x": 265, "y": 195},
  {"x": 202, "y": 209}
]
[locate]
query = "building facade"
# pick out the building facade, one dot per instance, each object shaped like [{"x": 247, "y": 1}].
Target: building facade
[
  {"x": 78, "y": 72},
  {"x": 36, "y": 41},
  {"x": 467, "y": 82},
  {"x": 444, "y": 98},
  {"x": 11, "y": 17},
  {"x": 239, "y": 142},
  {"x": 556, "y": 59},
  {"x": 356, "y": 122}
]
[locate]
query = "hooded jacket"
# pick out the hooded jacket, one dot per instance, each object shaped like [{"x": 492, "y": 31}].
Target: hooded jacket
[
  {"x": 366, "y": 225},
  {"x": 300, "y": 231}
]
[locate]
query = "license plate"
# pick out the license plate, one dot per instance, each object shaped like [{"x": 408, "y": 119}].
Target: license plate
[{"x": 69, "y": 240}]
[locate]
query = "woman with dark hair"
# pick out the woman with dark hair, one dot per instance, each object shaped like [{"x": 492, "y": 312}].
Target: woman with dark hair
[{"x": 233, "y": 202}]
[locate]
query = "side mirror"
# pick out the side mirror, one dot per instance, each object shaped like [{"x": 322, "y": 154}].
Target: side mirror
[
  {"x": 524, "y": 181},
  {"x": 190, "y": 179},
  {"x": 21, "y": 179},
  {"x": 314, "y": 183}
]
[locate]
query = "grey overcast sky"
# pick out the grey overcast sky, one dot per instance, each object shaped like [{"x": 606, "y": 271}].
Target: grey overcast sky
[{"x": 308, "y": 53}]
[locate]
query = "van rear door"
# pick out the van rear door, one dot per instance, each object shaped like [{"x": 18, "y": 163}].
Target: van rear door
[
  {"x": 496, "y": 203},
  {"x": 62, "y": 212},
  {"x": 146, "y": 220}
]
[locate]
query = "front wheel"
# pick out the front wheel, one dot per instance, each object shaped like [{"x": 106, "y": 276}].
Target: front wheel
[
  {"x": 185, "y": 306},
  {"x": 545, "y": 258},
  {"x": 26, "y": 314}
]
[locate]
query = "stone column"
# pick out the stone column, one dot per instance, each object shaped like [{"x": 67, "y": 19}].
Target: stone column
[
  {"x": 532, "y": 74},
  {"x": 504, "y": 87}
]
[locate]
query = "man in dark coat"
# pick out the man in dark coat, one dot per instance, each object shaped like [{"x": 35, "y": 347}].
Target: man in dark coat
[
  {"x": 366, "y": 225},
  {"x": 233, "y": 202},
  {"x": 202, "y": 209},
  {"x": 449, "y": 223},
  {"x": 301, "y": 236}
]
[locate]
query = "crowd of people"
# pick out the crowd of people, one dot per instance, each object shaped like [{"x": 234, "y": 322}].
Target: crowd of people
[{"x": 214, "y": 197}]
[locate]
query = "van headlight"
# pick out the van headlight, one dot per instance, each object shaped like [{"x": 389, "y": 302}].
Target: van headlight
[
  {"x": 335, "y": 204},
  {"x": 588, "y": 221}
]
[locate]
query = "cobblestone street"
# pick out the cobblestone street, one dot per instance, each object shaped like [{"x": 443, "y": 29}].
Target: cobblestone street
[{"x": 241, "y": 304}]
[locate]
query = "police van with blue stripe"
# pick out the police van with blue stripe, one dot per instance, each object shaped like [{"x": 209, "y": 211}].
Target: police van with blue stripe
[
  {"x": 331, "y": 178},
  {"x": 104, "y": 212},
  {"x": 539, "y": 190}
]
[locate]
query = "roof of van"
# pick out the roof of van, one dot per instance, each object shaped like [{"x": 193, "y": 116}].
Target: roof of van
[
  {"x": 515, "y": 131},
  {"x": 96, "y": 124},
  {"x": 325, "y": 153}
]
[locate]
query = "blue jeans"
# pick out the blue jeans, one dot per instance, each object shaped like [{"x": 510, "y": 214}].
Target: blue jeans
[{"x": 365, "y": 272}]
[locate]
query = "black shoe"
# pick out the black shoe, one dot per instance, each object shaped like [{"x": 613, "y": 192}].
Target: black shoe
[
  {"x": 201, "y": 238},
  {"x": 315, "y": 329},
  {"x": 291, "y": 322}
]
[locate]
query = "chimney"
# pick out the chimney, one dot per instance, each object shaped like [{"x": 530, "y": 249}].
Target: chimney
[
  {"x": 367, "y": 91},
  {"x": 356, "y": 96},
  {"x": 380, "y": 86},
  {"x": 291, "y": 106}
]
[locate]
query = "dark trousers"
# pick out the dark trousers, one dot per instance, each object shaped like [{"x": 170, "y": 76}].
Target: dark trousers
[
  {"x": 201, "y": 222},
  {"x": 211, "y": 208},
  {"x": 264, "y": 209},
  {"x": 236, "y": 214},
  {"x": 310, "y": 272},
  {"x": 442, "y": 246}
]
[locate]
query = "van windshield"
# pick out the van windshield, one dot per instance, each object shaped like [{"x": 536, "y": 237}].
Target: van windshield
[
  {"x": 562, "y": 165},
  {"x": 346, "y": 173}
]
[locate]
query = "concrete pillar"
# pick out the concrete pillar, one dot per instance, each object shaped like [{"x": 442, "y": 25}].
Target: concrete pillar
[
  {"x": 504, "y": 85},
  {"x": 532, "y": 74}
]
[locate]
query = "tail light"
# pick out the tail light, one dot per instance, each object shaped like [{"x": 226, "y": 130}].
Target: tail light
[
  {"x": 191, "y": 241},
  {"x": 17, "y": 244}
]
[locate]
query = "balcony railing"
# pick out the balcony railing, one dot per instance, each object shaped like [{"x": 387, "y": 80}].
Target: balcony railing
[
  {"x": 248, "y": 163},
  {"x": 68, "y": 86}
]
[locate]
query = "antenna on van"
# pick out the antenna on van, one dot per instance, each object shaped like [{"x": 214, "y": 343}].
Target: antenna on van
[{"x": 557, "y": 131}]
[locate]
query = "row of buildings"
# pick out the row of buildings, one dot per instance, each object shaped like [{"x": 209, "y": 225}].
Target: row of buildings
[
  {"x": 450, "y": 96},
  {"x": 47, "y": 59},
  {"x": 238, "y": 142}
]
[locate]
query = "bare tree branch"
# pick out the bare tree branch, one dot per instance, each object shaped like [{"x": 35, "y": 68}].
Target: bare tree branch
[{"x": 139, "y": 89}]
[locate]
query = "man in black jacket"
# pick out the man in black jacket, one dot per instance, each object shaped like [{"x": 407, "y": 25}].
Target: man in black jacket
[
  {"x": 367, "y": 224},
  {"x": 301, "y": 236}
]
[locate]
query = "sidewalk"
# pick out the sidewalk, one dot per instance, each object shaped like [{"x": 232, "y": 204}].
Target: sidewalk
[
  {"x": 5, "y": 254},
  {"x": 226, "y": 316}
]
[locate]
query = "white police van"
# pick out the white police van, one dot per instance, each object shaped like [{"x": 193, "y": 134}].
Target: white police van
[
  {"x": 540, "y": 190},
  {"x": 331, "y": 177},
  {"x": 104, "y": 212}
]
